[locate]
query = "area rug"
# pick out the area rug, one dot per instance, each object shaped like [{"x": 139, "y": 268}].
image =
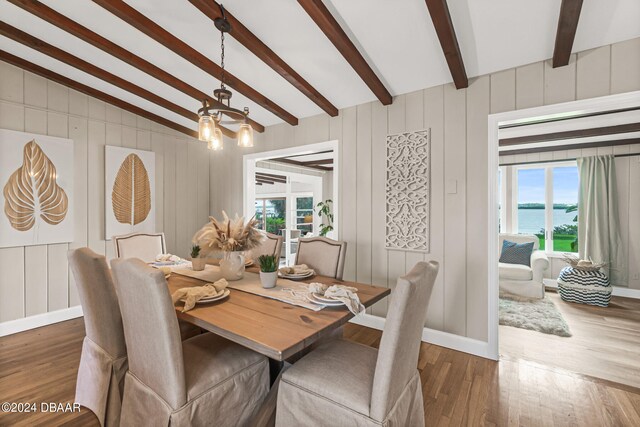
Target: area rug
[{"x": 535, "y": 314}]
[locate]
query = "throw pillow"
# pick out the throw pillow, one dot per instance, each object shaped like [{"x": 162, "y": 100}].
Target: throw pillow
[{"x": 516, "y": 253}]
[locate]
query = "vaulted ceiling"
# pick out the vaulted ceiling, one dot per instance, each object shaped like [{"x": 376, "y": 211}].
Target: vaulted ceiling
[{"x": 292, "y": 59}]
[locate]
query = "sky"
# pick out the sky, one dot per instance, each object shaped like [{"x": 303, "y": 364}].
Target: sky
[{"x": 565, "y": 185}]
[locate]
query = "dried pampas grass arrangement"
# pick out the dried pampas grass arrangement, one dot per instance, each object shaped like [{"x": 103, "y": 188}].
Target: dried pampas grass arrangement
[{"x": 228, "y": 235}]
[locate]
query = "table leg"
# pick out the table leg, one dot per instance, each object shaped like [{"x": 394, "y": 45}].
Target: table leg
[{"x": 275, "y": 366}]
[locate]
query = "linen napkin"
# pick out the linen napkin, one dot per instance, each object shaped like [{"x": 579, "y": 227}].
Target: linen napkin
[
  {"x": 296, "y": 269},
  {"x": 346, "y": 294},
  {"x": 194, "y": 294},
  {"x": 168, "y": 258}
]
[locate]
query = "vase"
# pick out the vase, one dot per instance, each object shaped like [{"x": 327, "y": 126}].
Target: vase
[
  {"x": 269, "y": 279},
  {"x": 198, "y": 264},
  {"x": 232, "y": 265}
]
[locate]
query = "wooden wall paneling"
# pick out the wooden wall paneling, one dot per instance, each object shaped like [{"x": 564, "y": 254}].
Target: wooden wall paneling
[
  {"x": 11, "y": 83},
  {"x": 157, "y": 146},
  {"x": 12, "y": 116},
  {"x": 170, "y": 193},
  {"x": 634, "y": 225},
  {"x": 455, "y": 210},
  {"x": 364, "y": 207},
  {"x": 185, "y": 195},
  {"x": 434, "y": 120},
  {"x": 113, "y": 114},
  {"x": 379, "y": 253},
  {"x": 143, "y": 140},
  {"x": 348, "y": 195},
  {"x": 203, "y": 188},
  {"x": 503, "y": 91},
  {"x": 95, "y": 175},
  {"x": 78, "y": 132},
  {"x": 560, "y": 83},
  {"x": 190, "y": 182},
  {"x": 129, "y": 136},
  {"x": 35, "y": 90},
  {"x": 129, "y": 119},
  {"x": 57, "y": 267},
  {"x": 530, "y": 85},
  {"x": 414, "y": 120},
  {"x": 397, "y": 124},
  {"x": 57, "y": 97},
  {"x": 593, "y": 73},
  {"x": 625, "y": 66},
  {"x": 478, "y": 108},
  {"x": 97, "y": 109},
  {"x": 78, "y": 103},
  {"x": 116, "y": 135}
]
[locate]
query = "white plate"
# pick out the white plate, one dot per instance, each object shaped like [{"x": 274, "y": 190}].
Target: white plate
[
  {"x": 225, "y": 294},
  {"x": 324, "y": 299},
  {"x": 248, "y": 262},
  {"x": 331, "y": 303},
  {"x": 297, "y": 276}
]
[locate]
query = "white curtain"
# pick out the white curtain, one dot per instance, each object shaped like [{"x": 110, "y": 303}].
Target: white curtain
[{"x": 598, "y": 225}]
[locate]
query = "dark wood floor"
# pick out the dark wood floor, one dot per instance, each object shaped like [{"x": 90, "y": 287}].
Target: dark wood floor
[{"x": 459, "y": 389}]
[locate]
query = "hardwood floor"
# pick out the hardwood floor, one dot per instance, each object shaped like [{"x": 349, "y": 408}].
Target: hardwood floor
[
  {"x": 605, "y": 342},
  {"x": 459, "y": 389}
]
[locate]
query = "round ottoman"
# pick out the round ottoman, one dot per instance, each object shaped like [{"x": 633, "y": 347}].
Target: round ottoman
[{"x": 584, "y": 287}]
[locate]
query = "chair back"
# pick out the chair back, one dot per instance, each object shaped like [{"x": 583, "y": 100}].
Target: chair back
[
  {"x": 99, "y": 301},
  {"x": 271, "y": 245},
  {"x": 325, "y": 256},
  {"x": 144, "y": 246},
  {"x": 398, "y": 354},
  {"x": 150, "y": 329}
]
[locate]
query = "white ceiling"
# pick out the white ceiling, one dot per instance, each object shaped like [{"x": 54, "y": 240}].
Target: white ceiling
[{"x": 396, "y": 37}]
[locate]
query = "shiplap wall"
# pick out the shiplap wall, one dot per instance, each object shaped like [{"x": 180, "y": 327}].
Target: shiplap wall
[
  {"x": 458, "y": 122},
  {"x": 36, "y": 279},
  {"x": 628, "y": 183}
]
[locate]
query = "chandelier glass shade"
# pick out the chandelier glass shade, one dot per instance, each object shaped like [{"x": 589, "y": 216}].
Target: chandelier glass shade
[{"x": 210, "y": 120}]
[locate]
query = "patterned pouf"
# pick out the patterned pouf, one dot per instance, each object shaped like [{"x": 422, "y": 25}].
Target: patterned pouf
[{"x": 584, "y": 287}]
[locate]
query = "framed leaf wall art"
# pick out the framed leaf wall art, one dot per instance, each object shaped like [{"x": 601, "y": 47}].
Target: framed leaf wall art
[
  {"x": 36, "y": 189},
  {"x": 129, "y": 191}
]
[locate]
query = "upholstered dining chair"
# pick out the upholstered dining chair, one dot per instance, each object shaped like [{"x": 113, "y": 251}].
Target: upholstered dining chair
[
  {"x": 359, "y": 385},
  {"x": 325, "y": 256},
  {"x": 205, "y": 380},
  {"x": 271, "y": 245},
  {"x": 144, "y": 246},
  {"x": 103, "y": 362}
]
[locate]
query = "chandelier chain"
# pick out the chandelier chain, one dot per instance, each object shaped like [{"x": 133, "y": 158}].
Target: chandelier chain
[{"x": 222, "y": 59}]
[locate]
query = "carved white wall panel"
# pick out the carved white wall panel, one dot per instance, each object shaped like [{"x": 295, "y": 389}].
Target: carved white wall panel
[{"x": 407, "y": 191}]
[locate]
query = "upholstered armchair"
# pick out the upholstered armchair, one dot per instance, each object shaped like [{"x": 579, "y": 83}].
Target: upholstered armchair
[{"x": 522, "y": 280}]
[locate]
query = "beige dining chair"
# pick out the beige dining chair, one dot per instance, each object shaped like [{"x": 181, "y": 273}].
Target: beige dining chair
[
  {"x": 205, "y": 380},
  {"x": 144, "y": 246},
  {"x": 325, "y": 256},
  {"x": 103, "y": 362},
  {"x": 271, "y": 245},
  {"x": 359, "y": 385}
]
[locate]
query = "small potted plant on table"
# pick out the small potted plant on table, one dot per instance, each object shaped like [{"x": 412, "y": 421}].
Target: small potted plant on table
[
  {"x": 197, "y": 263},
  {"x": 268, "y": 270}
]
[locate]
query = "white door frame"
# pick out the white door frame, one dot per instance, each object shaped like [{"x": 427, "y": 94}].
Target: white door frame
[
  {"x": 567, "y": 109},
  {"x": 249, "y": 167}
]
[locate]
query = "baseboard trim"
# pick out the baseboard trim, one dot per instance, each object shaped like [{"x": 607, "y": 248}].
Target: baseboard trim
[
  {"x": 432, "y": 336},
  {"x": 617, "y": 291},
  {"x": 44, "y": 319}
]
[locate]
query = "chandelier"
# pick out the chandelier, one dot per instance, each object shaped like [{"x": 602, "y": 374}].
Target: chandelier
[{"x": 211, "y": 117}]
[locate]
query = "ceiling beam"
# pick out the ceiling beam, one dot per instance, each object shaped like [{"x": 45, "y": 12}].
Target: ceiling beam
[
  {"x": 570, "y": 134},
  {"x": 55, "y": 18},
  {"x": 334, "y": 32},
  {"x": 264, "y": 181},
  {"x": 87, "y": 90},
  {"x": 246, "y": 38},
  {"x": 598, "y": 144},
  {"x": 84, "y": 66},
  {"x": 319, "y": 162},
  {"x": 301, "y": 164},
  {"x": 277, "y": 178},
  {"x": 441, "y": 19},
  {"x": 566, "y": 32},
  {"x": 137, "y": 20}
]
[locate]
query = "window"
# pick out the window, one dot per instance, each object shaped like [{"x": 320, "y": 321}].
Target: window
[
  {"x": 547, "y": 201},
  {"x": 270, "y": 214},
  {"x": 304, "y": 214}
]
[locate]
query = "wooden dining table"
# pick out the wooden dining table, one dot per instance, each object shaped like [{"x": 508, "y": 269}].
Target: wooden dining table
[{"x": 273, "y": 328}]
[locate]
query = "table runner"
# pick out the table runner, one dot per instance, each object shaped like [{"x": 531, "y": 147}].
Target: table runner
[{"x": 287, "y": 291}]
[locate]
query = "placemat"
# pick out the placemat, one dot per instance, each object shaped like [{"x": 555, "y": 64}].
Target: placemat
[{"x": 287, "y": 291}]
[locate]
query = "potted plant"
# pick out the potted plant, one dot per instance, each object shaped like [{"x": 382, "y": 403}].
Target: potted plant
[
  {"x": 325, "y": 209},
  {"x": 197, "y": 263},
  {"x": 268, "y": 270}
]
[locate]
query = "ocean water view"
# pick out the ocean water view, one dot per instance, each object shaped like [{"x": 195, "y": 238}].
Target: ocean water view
[{"x": 531, "y": 221}]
